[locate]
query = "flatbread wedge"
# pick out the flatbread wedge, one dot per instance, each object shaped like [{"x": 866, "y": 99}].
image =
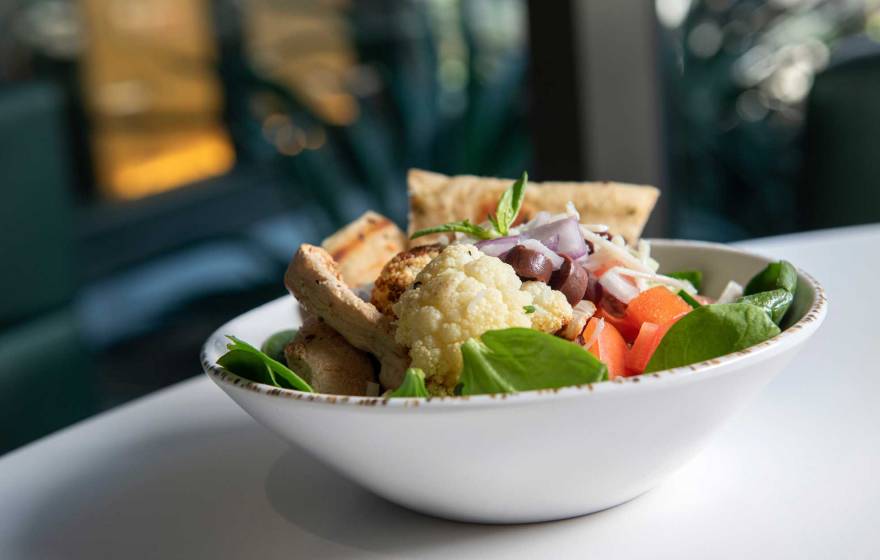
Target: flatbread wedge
[
  {"x": 436, "y": 199},
  {"x": 363, "y": 247}
]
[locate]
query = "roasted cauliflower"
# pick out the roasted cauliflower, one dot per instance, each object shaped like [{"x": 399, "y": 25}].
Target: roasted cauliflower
[
  {"x": 398, "y": 274},
  {"x": 462, "y": 294}
]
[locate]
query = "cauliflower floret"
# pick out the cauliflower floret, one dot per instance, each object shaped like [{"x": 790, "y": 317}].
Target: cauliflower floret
[
  {"x": 462, "y": 294},
  {"x": 552, "y": 310},
  {"x": 398, "y": 274}
]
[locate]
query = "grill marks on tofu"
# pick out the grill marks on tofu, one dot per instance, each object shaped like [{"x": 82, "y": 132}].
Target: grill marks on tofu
[
  {"x": 327, "y": 361},
  {"x": 362, "y": 248},
  {"x": 315, "y": 280},
  {"x": 399, "y": 274}
]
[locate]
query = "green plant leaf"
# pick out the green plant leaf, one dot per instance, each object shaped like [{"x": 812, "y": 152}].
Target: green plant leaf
[
  {"x": 689, "y": 299},
  {"x": 245, "y": 361},
  {"x": 520, "y": 359},
  {"x": 781, "y": 275},
  {"x": 711, "y": 331},
  {"x": 509, "y": 205},
  {"x": 464, "y": 226},
  {"x": 695, "y": 277},
  {"x": 413, "y": 386},
  {"x": 774, "y": 302},
  {"x": 275, "y": 344}
]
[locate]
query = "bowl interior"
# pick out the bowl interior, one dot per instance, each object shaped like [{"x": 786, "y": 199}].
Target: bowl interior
[{"x": 721, "y": 264}]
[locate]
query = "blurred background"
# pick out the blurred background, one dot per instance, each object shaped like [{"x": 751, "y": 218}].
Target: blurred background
[{"x": 160, "y": 160}]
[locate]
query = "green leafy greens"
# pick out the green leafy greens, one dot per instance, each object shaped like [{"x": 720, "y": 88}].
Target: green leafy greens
[
  {"x": 774, "y": 302},
  {"x": 779, "y": 275},
  {"x": 245, "y": 361},
  {"x": 413, "y": 386},
  {"x": 522, "y": 359},
  {"x": 689, "y": 299},
  {"x": 711, "y": 331},
  {"x": 464, "y": 226},
  {"x": 505, "y": 214},
  {"x": 509, "y": 205},
  {"x": 275, "y": 344},
  {"x": 695, "y": 277}
]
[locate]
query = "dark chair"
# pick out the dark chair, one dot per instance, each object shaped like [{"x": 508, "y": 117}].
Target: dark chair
[
  {"x": 841, "y": 183},
  {"x": 45, "y": 381}
]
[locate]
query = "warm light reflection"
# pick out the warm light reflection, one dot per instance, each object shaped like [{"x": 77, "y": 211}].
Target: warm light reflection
[
  {"x": 180, "y": 161},
  {"x": 151, "y": 89}
]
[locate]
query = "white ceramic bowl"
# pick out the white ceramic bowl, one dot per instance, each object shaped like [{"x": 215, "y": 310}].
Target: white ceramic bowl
[{"x": 533, "y": 456}]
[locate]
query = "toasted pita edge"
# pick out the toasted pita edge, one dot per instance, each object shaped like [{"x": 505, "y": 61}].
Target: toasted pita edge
[
  {"x": 436, "y": 199},
  {"x": 362, "y": 247}
]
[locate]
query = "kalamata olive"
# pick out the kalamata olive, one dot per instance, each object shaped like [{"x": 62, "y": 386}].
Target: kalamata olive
[
  {"x": 613, "y": 305},
  {"x": 571, "y": 279},
  {"x": 594, "y": 290},
  {"x": 529, "y": 264},
  {"x": 590, "y": 248}
]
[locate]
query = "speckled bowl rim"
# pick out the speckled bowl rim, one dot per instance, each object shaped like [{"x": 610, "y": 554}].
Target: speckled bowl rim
[{"x": 794, "y": 334}]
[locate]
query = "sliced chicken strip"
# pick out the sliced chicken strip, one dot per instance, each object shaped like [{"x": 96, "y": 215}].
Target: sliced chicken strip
[
  {"x": 314, "y": 279},
  {"x": 327, "y": 361}
]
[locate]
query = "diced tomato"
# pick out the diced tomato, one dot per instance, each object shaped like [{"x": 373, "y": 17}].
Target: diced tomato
[
  {"x": 646, "y": 343},
  {"x": 609, "y": 347},
  {"x": 657, "y": 305},
  {"x": 626, "y": 329},
  {"x": 637, "y": 357}
]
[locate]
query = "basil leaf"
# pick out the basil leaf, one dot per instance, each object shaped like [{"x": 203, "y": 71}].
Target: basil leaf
[
  {"x": 775, "y": 276},
  {"x": 695, "y": 277},
  {"x": 774, "y": 302},
  {"x": 246, "y": 361},
  {"x": 520, "y": 359},
  {"x": 509, "y": 205},
  {"x": 275, "y": 344},
  {"x": 527, "y": 309},
  {"x": 711, "y": 331},
  {"x": 689, "y": 299},
  {"x": 464, "y": 226},
  {"x": 413, "y": 386}
]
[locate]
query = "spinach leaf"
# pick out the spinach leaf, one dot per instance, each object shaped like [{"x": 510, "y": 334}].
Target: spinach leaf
[
  {"x": 689, "y": 299},
  {"x": 464, "y": 226},
  {"x": 245, "y": 361},
  {"x": 413, "y": 386},
  {"x": 521, "y": 359},
  {"x": 275, "y": 344},
  {"x": 774, "y": 302},
  {"x": 695, "y": 277},
  {"x": 775, "y": 276},
  {"x": 509, "y": 205},
  {"x": 711, "y": 331}
]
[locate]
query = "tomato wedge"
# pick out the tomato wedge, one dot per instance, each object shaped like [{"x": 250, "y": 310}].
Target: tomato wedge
[{"x": 610, "y": 347}]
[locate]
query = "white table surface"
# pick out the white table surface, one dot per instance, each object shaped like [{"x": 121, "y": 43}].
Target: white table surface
[{"x": 184, "y": 473}]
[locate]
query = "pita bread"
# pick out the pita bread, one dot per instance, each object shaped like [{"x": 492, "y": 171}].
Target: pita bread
[
  {"x": 436, "y": 199},
  {"x": 363, "y": 247}
]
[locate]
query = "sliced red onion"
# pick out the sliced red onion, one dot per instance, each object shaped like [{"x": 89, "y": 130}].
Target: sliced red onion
[
  {"x": 536, "y": 245},
  {"x": 497, "y": 247},
  {"x": 566, "y": 234},
  {"x": 618, "y": 286},
  {"x": 539, "y": 220}
]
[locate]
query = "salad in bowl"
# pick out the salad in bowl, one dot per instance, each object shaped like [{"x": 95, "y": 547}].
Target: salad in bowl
[
  {"x": 535, "y": 295},
  {"x": 519, "y": 355}
]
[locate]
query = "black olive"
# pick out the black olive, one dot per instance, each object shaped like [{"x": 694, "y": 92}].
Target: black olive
[
  {"x": 571, "y": 279},
  {"x": 529, "y": 264}
]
